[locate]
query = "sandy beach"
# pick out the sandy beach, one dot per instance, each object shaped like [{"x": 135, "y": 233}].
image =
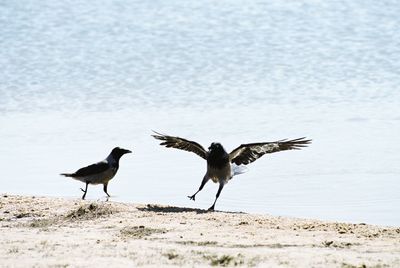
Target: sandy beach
[{"x": 60, "y": 232}]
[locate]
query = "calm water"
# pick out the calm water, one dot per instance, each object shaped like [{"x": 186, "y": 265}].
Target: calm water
[{"x": 80, "y": 77}]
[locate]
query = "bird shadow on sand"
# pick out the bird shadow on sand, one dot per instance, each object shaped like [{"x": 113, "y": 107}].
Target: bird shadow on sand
[{"x": 171, "y": 209}]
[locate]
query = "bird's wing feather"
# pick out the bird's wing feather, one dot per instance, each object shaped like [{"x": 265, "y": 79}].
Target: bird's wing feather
[
  {"x": 91, "y": 169},
  {"x": 180, "y": 143},
  {"x": 248, "y": 153}
]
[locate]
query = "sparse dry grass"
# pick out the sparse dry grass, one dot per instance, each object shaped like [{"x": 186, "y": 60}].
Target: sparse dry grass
[
  {"x": 91, "y": 211},
  {"x": 224, "y": 260},
  {"x": 171, "y": 255},
  {"x": 138, "y": 232}
]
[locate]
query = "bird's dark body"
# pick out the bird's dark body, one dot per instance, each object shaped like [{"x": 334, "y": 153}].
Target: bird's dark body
[
  {"x": 217, "y": 158},
  {"x": 93, "y": 169}
]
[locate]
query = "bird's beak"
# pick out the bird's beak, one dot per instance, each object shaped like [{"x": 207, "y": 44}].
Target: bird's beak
[{"x": 128, "y": 151}]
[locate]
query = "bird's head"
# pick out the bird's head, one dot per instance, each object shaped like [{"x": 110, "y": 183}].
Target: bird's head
[
  {"x": 117, "y": 152},
  {"x": 216, "y": 147}
]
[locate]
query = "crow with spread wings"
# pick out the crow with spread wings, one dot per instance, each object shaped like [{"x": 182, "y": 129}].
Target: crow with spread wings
[{"x": 221, "y": 166}]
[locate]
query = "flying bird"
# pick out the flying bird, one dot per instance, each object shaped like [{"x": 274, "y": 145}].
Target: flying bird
[
  {"x": 221, "y": 166},
  {"x": 101, "y": 172}
]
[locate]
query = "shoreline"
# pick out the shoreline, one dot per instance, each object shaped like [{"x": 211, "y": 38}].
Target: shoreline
[{"x": 61, "y": 232}]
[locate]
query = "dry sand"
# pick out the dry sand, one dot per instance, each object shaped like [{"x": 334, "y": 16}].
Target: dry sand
[{"x": 57, "y": 232}]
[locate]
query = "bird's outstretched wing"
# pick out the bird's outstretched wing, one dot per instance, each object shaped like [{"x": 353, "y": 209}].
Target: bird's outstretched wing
[
  {"x": 89, "y": 170},
  {"x": 180, "y": 143},
  {"x": 247, "y": 153}
]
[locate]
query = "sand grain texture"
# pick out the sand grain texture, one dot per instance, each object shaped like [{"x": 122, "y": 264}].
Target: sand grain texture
[{"x": 57, "y": 232}]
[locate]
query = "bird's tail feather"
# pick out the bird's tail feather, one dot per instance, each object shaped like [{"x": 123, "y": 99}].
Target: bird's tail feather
[
  {"x": 237, "y": 170},
  {"x": 66, "y": 174}
]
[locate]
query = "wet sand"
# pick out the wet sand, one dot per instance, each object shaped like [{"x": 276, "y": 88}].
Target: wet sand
[{"x": 61, "y": 232}]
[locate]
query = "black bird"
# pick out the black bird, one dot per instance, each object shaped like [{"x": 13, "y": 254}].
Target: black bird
[
  {"x": 221, "y": 166},
  {"x": 101, "y": 172}
]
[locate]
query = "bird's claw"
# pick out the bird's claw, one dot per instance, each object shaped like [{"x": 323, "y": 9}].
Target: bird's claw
[
  {"x": 211, "y": 208},
  {"x": 192, "y": 197}
]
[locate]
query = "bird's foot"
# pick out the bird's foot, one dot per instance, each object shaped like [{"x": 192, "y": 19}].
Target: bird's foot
[
  {"x": 84, "y": 195},
  {"x": 192, "y": 197},
  {"x": 211, "y": 208}
]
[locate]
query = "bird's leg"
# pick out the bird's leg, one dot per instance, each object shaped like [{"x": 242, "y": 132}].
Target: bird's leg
[
  {"x": 203, "y": 182},
  {"x": 85, "y": 191},
  {"x": 221, "y": 185},
  {"x": 105, "y": 188}
]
